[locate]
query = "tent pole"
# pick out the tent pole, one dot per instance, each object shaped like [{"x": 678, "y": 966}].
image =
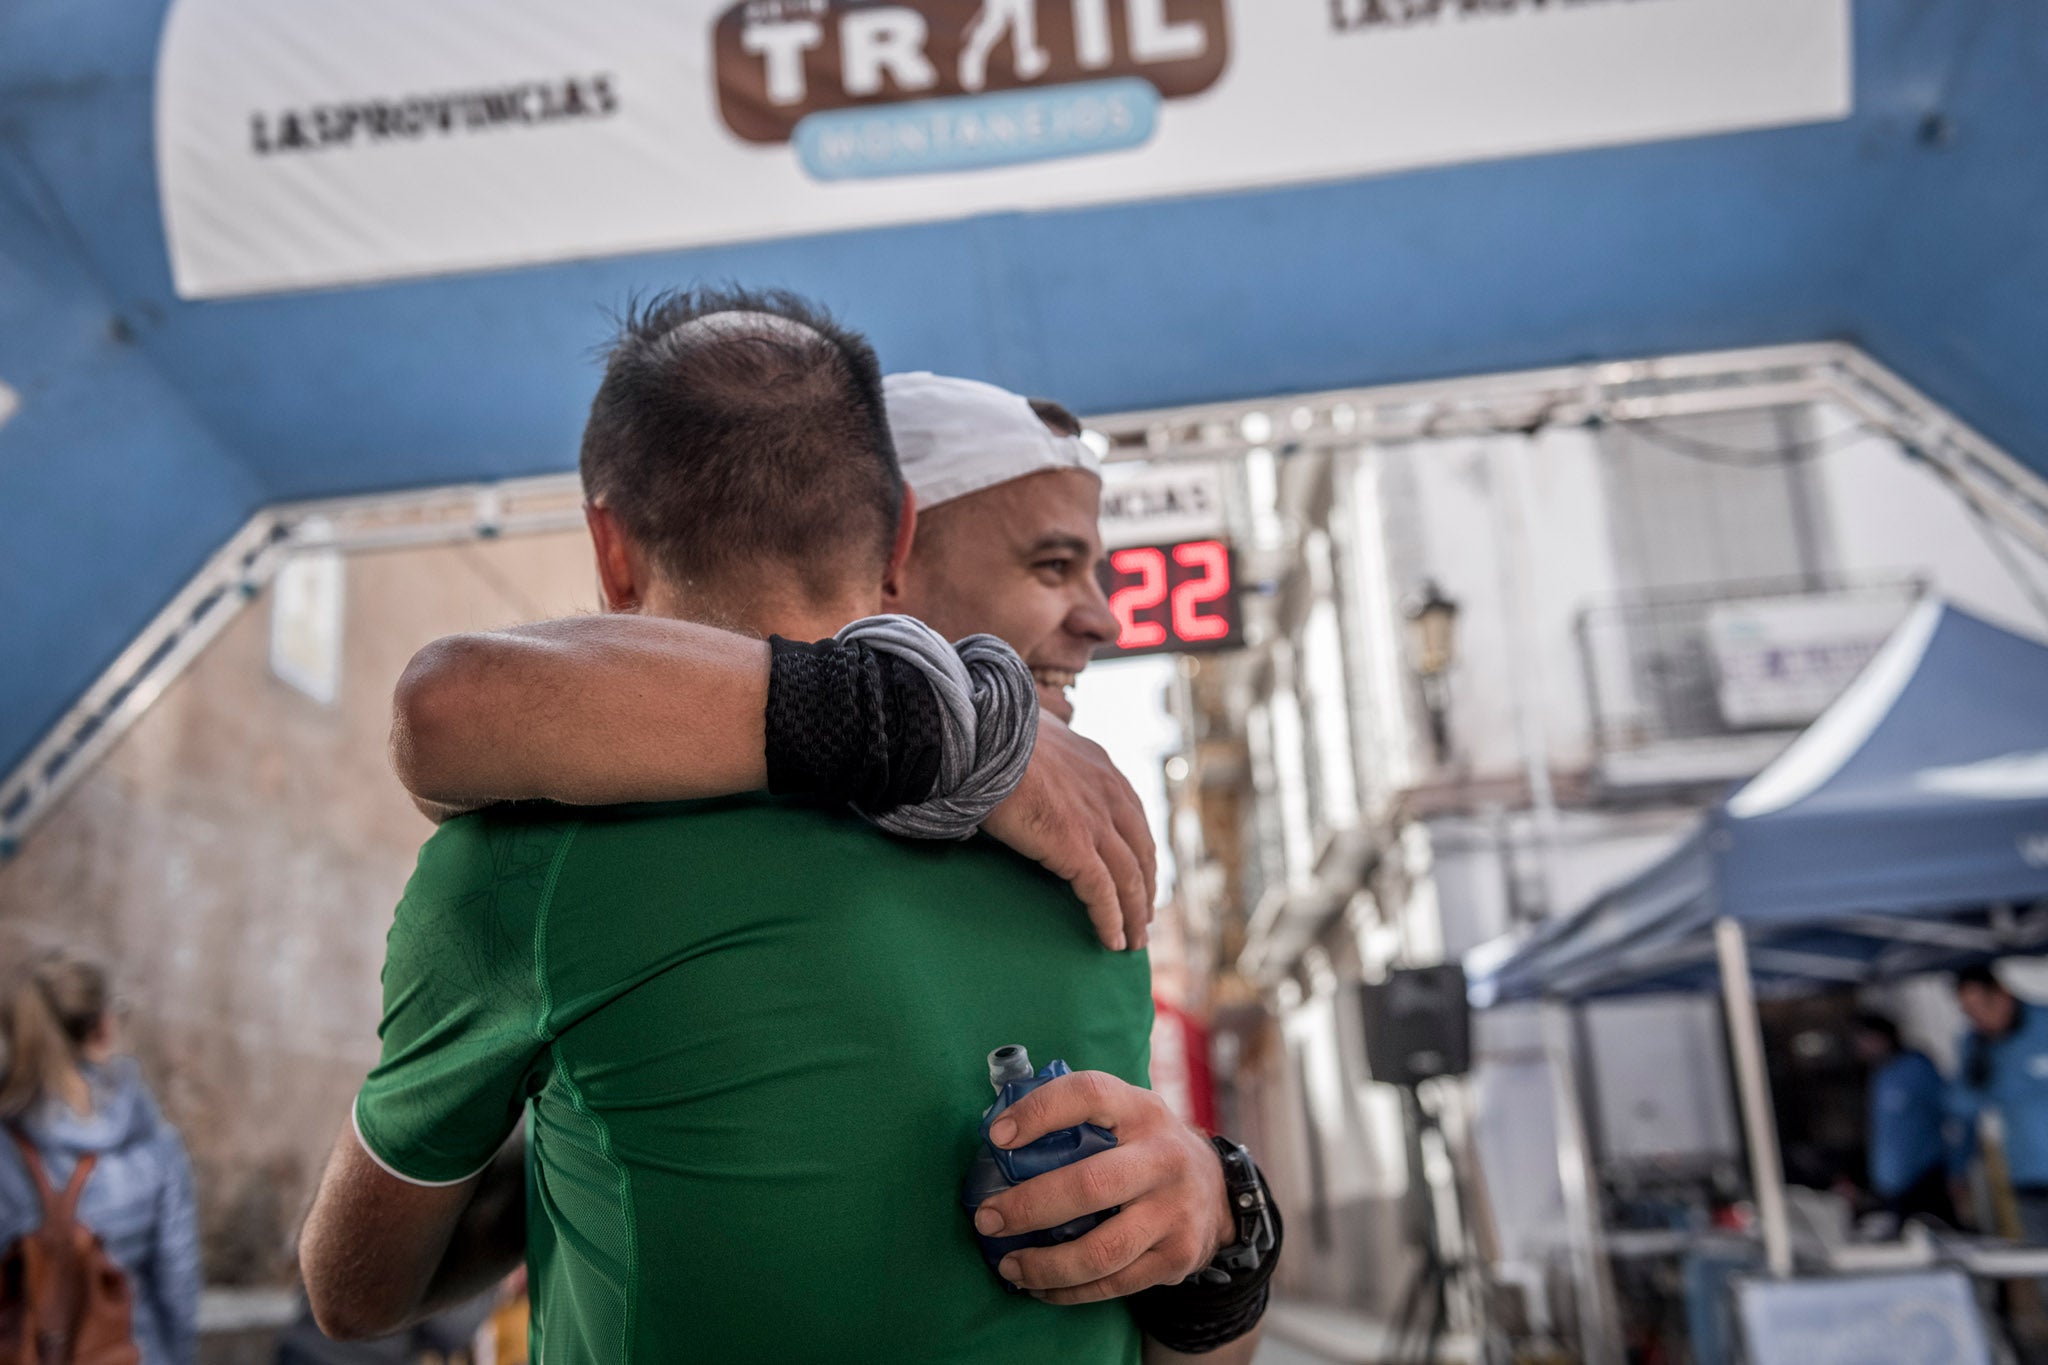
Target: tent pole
[
  {"x": 1759, "y": 1122},
  {"x": 1599, "y": 1328}
]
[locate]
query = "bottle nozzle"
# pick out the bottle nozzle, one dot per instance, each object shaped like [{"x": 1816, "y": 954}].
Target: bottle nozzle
[{"x": 1009, "y": 1063}]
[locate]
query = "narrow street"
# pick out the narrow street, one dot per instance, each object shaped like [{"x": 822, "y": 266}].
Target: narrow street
[{"x": 1312, "y": 1334}]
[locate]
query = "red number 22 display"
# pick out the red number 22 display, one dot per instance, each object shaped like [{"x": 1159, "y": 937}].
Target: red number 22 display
[{"x": 1172, "y": 598}]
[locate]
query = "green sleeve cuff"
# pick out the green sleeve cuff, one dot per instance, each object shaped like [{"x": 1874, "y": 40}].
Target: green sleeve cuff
[{"x": 396, "y": 1168}]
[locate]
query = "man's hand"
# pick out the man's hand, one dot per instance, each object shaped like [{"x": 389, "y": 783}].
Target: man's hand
[
  {"x": 1076, "y": 815},
  {"x": 1163, "y": 1178}
]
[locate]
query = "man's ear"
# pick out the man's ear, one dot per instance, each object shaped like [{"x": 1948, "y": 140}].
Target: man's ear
[
  {"x": 621, "y": 574},
  {"x": 899, "y": 553}
]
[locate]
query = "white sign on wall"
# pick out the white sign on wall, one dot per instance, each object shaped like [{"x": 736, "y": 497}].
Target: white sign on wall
[
  {"x": 307, "y": 623},
  {"x": 1780, "y": 661},
  {"x": 1159, "y": 504},
  {"x": 302, "y": 144}
]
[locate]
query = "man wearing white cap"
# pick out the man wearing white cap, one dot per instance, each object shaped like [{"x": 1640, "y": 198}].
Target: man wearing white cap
[
  {"x": 622, "y": 708},
  {"x": 1008, "y": 497}
]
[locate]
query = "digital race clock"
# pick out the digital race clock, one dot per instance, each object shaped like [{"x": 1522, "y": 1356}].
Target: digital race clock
[{"x": 1179, "y": 598}]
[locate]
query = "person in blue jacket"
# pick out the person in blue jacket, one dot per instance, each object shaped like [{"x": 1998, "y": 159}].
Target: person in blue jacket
[
  {"x": 1910, "y": 1155},
  {"x": 64, "y": 1090},
  {"x": 2004, "y": 1066}
]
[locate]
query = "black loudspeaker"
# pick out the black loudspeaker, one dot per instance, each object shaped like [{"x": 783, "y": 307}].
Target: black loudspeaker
[{"x": 1418, "y": 1024}]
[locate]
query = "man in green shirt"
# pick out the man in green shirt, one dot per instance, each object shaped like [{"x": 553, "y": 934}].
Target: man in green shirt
[{"x": 750, "y": 1035}]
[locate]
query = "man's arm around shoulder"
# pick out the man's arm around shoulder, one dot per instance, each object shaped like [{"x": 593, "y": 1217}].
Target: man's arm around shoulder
[
  {"x": 606, "y": 710},
  {"x": 585, "y": 710}
]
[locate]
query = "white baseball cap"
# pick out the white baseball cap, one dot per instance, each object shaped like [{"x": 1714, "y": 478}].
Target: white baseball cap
[{"x": 959, "y": 436}]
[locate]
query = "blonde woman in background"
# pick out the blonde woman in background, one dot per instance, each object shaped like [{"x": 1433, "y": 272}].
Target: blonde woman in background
[{"x": 65, "y": 1089}]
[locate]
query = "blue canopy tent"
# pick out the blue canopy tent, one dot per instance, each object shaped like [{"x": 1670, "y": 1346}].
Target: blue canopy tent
[{"x": 1905, "y": 831}]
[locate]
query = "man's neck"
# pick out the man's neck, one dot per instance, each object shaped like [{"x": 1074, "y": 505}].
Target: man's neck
[{"x": 794, "y": 616}]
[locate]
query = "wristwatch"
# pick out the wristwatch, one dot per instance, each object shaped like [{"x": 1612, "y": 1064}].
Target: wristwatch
[{"x": 1245, "y": 1188}]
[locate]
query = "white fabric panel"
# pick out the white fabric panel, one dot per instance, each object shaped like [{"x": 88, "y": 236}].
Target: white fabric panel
[{"x": 304, "y": 144}]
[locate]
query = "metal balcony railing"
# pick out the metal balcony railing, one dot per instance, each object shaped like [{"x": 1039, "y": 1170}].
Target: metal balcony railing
[{"x": 1733, "y": 659}]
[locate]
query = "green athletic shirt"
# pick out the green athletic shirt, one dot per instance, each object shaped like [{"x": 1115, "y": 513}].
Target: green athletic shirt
[{"x": 750, "y": 1038}]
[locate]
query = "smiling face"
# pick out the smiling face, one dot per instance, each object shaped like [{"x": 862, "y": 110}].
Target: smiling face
[{"x": 1018, "y": 561}]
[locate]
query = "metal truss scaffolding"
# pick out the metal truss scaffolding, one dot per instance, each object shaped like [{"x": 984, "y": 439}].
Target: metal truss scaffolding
[{"x": 1992, "y": 482}]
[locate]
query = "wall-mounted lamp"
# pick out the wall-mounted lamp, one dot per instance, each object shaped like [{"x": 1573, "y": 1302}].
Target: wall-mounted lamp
[{"x": 1432, "y": 649}]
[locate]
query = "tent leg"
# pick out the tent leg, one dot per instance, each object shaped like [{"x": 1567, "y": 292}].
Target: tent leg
[
  {"x": 1599, "y": 1327},
  {"x": 1759, "y": 1122}
]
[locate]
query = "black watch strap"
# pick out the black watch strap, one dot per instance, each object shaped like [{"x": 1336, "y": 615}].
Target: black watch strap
[
  {"x": 1250, "y": 1208},
  {"x": 1224, "y": 1300}
]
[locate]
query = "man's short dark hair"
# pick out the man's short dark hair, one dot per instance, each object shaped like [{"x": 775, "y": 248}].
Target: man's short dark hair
[
  {"x": 723, "y": 442},
  {"x": 1055, "y": 416},
  {"x": 1980, "y": 975},
  {"x": 1881, "y": 1025}
]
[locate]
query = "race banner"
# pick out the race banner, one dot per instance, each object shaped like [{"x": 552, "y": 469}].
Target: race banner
[{"x": 305, "y": 145}]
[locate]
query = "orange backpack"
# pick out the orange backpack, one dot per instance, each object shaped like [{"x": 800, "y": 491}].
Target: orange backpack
[{"x": 63, "y": 1301}]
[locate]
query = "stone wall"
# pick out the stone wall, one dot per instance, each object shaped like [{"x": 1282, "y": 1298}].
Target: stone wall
[{"x": 235, "y": 859}]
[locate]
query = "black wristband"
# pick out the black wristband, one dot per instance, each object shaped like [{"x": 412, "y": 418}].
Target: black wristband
[
  {"x": 915, "y": 729},
  {"x": 1194, "y": 1318},
  {"x": 848, "y": 724}
]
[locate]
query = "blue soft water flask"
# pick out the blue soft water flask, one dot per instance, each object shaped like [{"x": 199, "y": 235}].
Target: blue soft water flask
[{"x": 995, "y": 1170}]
